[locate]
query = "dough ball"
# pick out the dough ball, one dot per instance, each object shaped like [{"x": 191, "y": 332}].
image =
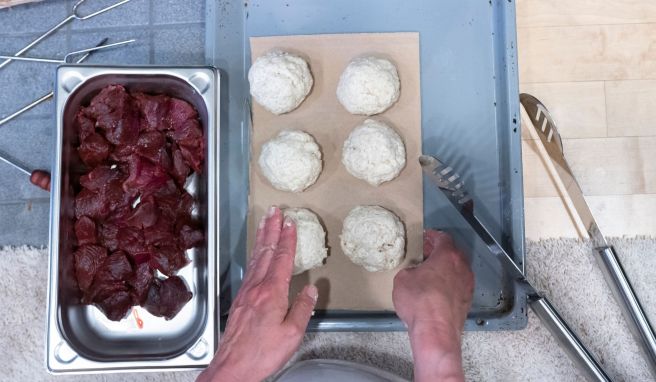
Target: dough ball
[
  {"x": 291, "y": 161},
  {"x": 368, "y": 86},
  {"x": 310, "y": 239},
  {"x": 374, "y": 238},
  {"x": 374, "y": 152},
  {"x": 280, "y": 81}
]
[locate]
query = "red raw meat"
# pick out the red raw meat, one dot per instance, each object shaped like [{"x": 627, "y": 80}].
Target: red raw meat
[
  {"x": 144, "y": 176},
  {"x": 85, "y": 126},
  {"x": 168, "y": 259},
  {"x": 115, "y": 115},
  {"x": 190, "y": 237},
  {"x": 154, "y": 110},
  {"x": 136, "y": 147},
  {"x": 99, "y": 177},
  {"x": 140, "y": 283},
  {"x": 88, "y": 259},
  {"x": 93, "y": 150},
  {"x": 166, "y": 298},
  {"x": 85, "y": 231},
  {"x": 90, "y": 204},
  {"x": 144, "y": 215}
]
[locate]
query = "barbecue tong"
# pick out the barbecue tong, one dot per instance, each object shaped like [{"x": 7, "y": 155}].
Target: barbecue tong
[
  {"x": 448, "y": 181},
  {"x": 550, "y": 147}
]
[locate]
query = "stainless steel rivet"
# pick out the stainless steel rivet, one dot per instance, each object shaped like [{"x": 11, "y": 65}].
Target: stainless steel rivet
[{"x": 201, "y": 81}]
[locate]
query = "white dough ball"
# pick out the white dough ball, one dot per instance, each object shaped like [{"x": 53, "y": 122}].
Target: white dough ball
[
  {"x": 310, "y": 239},
  {"x": 368, "y": 86},
  {"x": 291, "y": 161},
  {"x": 280, "y": 81},
  {"x": 374, "y": 238},
  {"x": 373, "y": 152}
]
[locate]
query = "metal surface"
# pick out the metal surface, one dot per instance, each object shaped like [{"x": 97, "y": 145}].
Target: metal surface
[
  {"x": 80, "y": 339},
  {"x": 470, "y": 116},
  {"x": 450, "y": 183},
  {"x": 545, "y": 128},
  {"x": 47, "y": 96},
  {"x": 76, "y": 15},
  {"x": 65, "y": 60}
]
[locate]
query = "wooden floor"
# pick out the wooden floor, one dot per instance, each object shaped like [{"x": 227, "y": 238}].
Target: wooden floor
[{"x": 593, "y": 64}]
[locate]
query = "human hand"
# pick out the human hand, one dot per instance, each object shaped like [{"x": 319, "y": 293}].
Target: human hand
[
  {"x": 433, "y": 299},
  {"x": 262, "y": 332}
]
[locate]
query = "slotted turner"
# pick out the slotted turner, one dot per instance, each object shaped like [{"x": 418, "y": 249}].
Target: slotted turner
[{"x": 449, "y": 182}]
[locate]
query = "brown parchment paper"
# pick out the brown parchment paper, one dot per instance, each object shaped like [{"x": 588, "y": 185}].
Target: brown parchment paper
[{"x": 342, "y": 284}]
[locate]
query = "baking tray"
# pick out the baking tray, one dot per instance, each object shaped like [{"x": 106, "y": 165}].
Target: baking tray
[
  {"x": 470, "y": 120},
  {"x": 80, "y": 339}
]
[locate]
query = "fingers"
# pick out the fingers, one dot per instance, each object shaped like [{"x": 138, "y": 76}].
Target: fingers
[
  {"x": 437, "y": 242},
  {"x": 282, "y": 264},
  {"x": 266, "y": 242},
  {"x": 301, "y": 310}
]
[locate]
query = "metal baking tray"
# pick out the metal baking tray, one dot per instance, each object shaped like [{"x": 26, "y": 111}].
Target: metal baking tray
[
  {"x": 80, "y": 339},
  {"x": 470, "y": 119}
]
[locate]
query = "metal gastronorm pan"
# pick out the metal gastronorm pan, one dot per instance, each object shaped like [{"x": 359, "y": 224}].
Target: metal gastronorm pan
[
  {"x": 470, "y": 119},
  {"x": 80, "y": 339}
]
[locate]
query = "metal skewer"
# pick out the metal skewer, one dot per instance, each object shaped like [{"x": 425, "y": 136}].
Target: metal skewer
[
  {"x": 47, "y": 96},
  {"x": 73, "y": 16},
  {"x": 69, "y": 55}
]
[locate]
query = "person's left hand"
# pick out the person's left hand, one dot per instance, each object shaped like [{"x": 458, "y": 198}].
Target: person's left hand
[{"x": 262, "y": 332}]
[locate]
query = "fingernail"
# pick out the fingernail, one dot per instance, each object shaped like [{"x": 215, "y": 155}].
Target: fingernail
[
  {"x": 288, "y": 221},
  {"x": 312, "y": 292},
  {"x": 271, "y": 211},
  {"x": 262, "y": 222}
]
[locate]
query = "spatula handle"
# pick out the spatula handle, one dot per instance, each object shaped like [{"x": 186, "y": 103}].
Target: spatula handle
[
  {"x": 635, "y": 315},
  {"x": 567, "y": 339}
]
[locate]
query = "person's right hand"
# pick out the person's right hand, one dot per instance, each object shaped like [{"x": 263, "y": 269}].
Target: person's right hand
[{"x": 433, "y": 299}]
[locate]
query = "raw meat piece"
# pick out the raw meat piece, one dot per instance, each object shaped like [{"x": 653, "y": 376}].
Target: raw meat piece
[
  {"x": 88, "y": 259},
  {"x": 179, "y": 112},
  {"x": 90, "y": 204},
  {"x": 189, "y": 136},
  {"x": 180, "y": 170},
  {"x": 154, "y": 110},
  {"x": 161, "y": 233},
  {"x": 98, "y": 178},
  {"x": 85, "y": 231},
  {"x": 167, "y": 259},
  {"x": 167, "y": 297},
  {"x": 144, "y": 176},
  {"x": 190, "y": 237},
  {"x": 131, "y": 241},
  {"x": 150, "y": 144},
  {"x": 115, "y": 303},
  {"x": 107, "y": 235},
  {"x": 140, "y": 283},
  {"x": 93, "y": 150},
  {"x": 115, "y": 268},
  {"x": 85, "y": 125},
  {"x": 115, "y": 115},
  {"x": 144, "y": 215}
]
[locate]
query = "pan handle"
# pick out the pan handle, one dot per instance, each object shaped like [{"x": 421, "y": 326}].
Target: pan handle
[
  {"x": 567, "y": 339},
  {"x": 635, "y": 316}
]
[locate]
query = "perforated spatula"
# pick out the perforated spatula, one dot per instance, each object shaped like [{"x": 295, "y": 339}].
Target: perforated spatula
[{"x": 448, "y": 181}]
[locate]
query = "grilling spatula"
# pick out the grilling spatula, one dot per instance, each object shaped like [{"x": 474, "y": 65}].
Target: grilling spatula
[
  {"x": 447, "y": 181},
  {"x": 551, "y": 150}
]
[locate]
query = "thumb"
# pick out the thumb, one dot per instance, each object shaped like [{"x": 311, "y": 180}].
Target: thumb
[{"x": 301, "y": 310}]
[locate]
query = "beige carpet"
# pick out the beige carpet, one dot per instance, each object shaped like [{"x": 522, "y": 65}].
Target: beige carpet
[{"x": 562, "y": 268}]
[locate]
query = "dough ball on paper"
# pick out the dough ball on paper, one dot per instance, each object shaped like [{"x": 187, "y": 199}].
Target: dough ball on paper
[
  {"x": 368, "y": 86},
  {"x": 374, "y": 152},
  {"x": 310, "y": 239},
  {"x": 280, "y": 81},
  {"x": 373, "y": 238},
  {"x": 291, "y": 161}
]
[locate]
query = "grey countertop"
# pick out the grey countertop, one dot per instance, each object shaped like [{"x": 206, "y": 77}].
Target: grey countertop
[{"x": 168, "y": 32}]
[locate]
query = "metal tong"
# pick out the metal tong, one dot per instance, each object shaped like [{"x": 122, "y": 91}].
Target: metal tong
[
  {"x": 448, "y": 181},
  {"x": 69, "y": 55},
  {"x": 550, "y": 146},
  {"x": 75, "y": 15}
]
